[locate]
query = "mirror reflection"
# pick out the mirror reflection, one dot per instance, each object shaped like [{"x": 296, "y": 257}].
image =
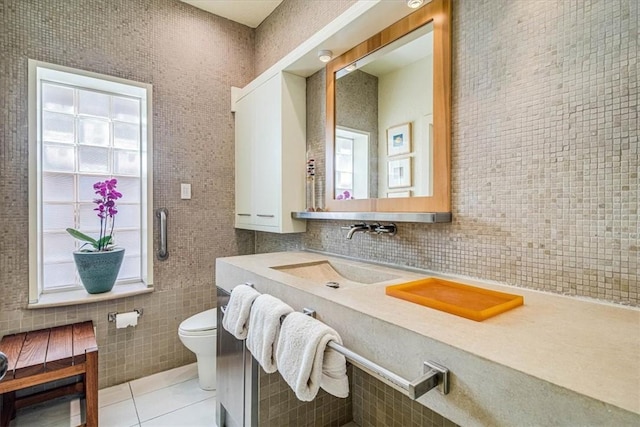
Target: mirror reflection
[{"x": 384, "y": 121}]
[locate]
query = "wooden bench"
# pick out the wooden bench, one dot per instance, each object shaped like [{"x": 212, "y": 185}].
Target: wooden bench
[{"x": 46, "y": 355}]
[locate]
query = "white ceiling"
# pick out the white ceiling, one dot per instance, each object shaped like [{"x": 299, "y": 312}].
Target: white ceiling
[{"x": 248, "y": 12}]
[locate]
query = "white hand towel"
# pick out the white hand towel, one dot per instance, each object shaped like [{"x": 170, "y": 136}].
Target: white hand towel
[
  {"x": 264, "y": 328},
  {"x": 236, "y": 318},
  {"x": 301, "y": 353}
]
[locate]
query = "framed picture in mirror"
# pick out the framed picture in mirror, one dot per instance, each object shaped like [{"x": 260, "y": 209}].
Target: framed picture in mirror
[
  {"x": 399, "y": 174},
  {"x": 399, "y": 140}
]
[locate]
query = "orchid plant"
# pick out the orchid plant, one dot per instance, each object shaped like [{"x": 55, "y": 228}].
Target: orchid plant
[
  {"x": 106, "y": 209},
  {"x": 344, "y": 196}
]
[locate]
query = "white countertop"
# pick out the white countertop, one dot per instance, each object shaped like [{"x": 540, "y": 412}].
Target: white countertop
[{"x": 585, "y": 346}]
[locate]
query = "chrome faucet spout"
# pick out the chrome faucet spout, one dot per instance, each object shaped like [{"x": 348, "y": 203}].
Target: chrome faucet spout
[{"x": 357, "y": 227}]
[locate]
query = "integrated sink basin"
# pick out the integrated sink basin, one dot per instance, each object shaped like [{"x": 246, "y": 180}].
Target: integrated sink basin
[{"x": 332, "y": 272}]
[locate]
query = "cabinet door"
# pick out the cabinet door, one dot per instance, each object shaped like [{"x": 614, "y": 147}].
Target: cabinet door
[
  {"x": 267, "y": 183},
  {"x": 243, "y": 163}
]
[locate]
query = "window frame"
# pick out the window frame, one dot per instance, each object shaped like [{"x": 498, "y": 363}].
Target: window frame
[{"x": 38, "y": 71}]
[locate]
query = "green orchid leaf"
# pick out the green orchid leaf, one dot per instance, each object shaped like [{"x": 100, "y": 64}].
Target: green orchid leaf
[
  {"x": 81, "y": 236},
  {"x": 106, "y": 240}
]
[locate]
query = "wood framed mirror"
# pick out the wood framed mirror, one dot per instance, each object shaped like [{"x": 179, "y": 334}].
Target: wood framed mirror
[{"x": 391, "y": 118}]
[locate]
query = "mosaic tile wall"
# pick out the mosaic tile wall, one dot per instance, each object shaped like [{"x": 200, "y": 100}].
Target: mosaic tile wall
[
  {"x": 191, "y": 58},
  {"x": 375, "y": 404},
  {"x": 291, "y": 23},
  {"x": 278, "y": 405},
  {"x": 545, "y": 156}
]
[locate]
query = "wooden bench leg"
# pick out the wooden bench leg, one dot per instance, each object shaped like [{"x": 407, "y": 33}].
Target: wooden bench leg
[
  {"x": 91, "y": 388},
  {"x": 8, "y": 408}
]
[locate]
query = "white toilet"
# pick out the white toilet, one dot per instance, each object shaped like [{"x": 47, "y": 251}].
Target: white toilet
[{"x": 198, "y": 333}]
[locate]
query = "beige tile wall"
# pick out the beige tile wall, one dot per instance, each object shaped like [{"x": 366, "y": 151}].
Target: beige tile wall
[
  {"x": 191, "y": 58},
  {"x": 279, "y": 407},
  {"x": 545, "y": 155},
  {"x": 291, "y": 23},
  {"x": 377, "y": 404}
]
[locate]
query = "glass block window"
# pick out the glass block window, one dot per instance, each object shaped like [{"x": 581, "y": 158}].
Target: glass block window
[
  {"x": 344, "y": 164},
  {"x": 88, "y": 128}
]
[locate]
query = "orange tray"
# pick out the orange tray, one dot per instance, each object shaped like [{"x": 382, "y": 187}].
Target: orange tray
[{"x": 462, "y": 300}]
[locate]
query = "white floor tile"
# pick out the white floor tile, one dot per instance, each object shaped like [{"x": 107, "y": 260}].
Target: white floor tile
[
  {"x": 121, "y": 414},
  {"x": 201, "y": 414},
  {"x": 164, "y": 379},
  {"x": 118, "y": 393},
  {"x": 157, "y": 395},
  {"x": 76, "y": 407},
  {"x": 161, "y": 402},
  {"x": 76, "y": 420},
  {"x": 49, "y": 414}
]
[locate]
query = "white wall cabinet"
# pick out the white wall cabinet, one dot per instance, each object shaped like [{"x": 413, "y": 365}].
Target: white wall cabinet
[{"x": 270, "y": 149}]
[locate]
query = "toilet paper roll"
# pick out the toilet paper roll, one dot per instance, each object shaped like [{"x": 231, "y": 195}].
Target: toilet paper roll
[{"x": 126, "y": 319}]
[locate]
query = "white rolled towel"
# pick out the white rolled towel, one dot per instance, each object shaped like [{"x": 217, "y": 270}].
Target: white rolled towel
[
  {"x": 264, "y": 328},
  {"x": 236, "y": 318},
  {"x": 305, "y": 362}
]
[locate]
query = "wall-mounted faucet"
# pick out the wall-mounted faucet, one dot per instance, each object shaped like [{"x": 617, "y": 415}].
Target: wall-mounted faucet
[
  {"x": 353, "y": 229},
  {"x": 377, "y": 228}
]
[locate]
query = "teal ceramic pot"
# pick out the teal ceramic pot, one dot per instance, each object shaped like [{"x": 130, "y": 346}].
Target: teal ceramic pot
[{"x": 99, "y": 270}]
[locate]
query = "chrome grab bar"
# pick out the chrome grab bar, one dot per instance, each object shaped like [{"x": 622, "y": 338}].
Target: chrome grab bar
[
  {"x": 4, "y": 365},
  {"x": 163, "y": 252}
]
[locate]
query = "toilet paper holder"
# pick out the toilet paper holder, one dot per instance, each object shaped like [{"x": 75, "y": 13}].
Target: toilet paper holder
[{"x": 111, "y": 317}]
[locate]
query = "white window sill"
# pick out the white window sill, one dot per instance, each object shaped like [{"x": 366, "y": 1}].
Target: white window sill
[{"x": 61, "y": 299}]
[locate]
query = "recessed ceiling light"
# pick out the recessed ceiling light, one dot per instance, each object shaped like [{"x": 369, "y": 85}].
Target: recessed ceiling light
[
  {"x": 350, "y": 67},
  {"x": 414, "y": 4}
]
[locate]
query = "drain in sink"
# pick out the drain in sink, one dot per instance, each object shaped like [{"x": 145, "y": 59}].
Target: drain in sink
[{"x": 334, "y": 285}]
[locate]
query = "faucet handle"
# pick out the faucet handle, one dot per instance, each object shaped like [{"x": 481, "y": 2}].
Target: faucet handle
[{"x": 389, "y": 229}]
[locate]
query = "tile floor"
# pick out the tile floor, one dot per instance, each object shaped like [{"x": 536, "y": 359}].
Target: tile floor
[{"x": 171, "y": 398}]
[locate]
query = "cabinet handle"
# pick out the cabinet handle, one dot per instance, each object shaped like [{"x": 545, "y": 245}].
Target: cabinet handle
[
  {"x": 244, "y": 214},
  {"x": 266, "y": 216}
]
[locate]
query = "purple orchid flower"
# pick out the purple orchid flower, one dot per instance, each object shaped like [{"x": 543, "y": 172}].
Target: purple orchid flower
[{"x": 106, "y": 210}]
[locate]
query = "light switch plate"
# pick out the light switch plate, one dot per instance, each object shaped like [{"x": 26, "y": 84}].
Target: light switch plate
[{"x": 185, "y": 191}]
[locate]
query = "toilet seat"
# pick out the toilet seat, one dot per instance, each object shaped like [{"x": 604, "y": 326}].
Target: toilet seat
[{"x": 204, "y": 323}]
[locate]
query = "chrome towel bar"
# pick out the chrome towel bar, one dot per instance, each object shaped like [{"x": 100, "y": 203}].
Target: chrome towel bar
[
  {"x": 223, "y": 308},
  {"x": 434, "y": 374}
]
